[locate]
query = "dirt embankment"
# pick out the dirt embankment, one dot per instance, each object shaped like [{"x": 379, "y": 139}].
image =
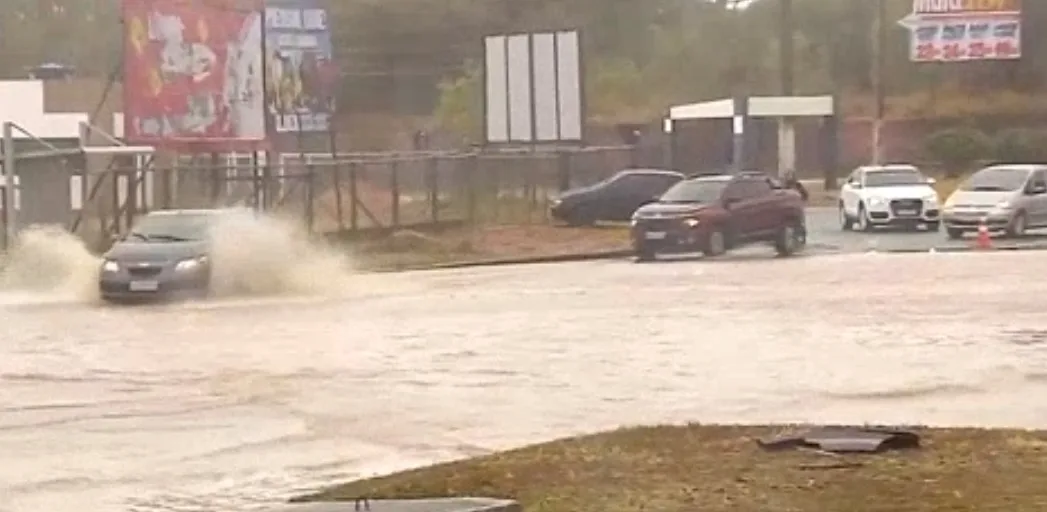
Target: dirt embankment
[{"x": 721, "y": 468}]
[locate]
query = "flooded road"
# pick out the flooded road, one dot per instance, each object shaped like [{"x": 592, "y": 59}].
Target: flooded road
[{"x": 235, "y": 404}]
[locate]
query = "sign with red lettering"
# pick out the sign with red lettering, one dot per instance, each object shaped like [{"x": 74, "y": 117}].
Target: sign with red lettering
[
  {"x": 964, "y": 30},
  {"x": 193, "y": 74}
]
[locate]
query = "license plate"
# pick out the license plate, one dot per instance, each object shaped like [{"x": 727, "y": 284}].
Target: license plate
[
  {"x": 906, "y": 212},
  {"x": 654, "y": 235},
  {"x": 144, "y": 286}
]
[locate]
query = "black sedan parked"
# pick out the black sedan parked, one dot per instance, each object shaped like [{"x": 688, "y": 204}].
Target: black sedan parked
[{"x": 614, "y": 199}]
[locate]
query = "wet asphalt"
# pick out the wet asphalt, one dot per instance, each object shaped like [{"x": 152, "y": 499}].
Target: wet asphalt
[{"x": 237, "y": 404}]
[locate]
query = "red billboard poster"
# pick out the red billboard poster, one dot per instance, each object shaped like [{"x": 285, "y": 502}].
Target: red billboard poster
[
  {"x": 964, "y": 30},
  {"x": 193, "y": 74}
]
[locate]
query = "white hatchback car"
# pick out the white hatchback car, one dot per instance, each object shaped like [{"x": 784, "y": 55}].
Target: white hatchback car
[{"x": 889, "y": 195}]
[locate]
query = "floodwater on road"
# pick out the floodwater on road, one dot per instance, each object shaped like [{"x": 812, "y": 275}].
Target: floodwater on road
[{"x": 234, "y": 404}]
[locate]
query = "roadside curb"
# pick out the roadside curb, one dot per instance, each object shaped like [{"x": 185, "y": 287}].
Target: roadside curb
[
  {"x": 817, "y": 250},
  {"x": 1009, "y": 248},
  {"x": 557, "y": 258},
  {"x": 533, "y": 260}
]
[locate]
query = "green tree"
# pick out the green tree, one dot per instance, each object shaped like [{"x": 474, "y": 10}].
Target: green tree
[
  {"x": 461, "y": 104},
  {"x": 1019, "y": 145},
  {"x": 958, "y": 149}
]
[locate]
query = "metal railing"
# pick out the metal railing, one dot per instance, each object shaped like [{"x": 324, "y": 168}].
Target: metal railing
[{"x": 353, "y": 192}]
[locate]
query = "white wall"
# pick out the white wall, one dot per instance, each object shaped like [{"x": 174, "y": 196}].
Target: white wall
[{"x": 22, "y": 102}]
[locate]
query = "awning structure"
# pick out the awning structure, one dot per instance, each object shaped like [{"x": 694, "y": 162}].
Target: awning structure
[
  {"x": 760, "y": 106},
  {"x": 741, "y": 110}
]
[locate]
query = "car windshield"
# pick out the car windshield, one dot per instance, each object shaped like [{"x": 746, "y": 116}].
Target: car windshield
[
  {"x": 602, "y": 183},
  {"x": 694, "y": 191},
  {"x": 172, "y": 227},
  {"x": 997, "y": 179},
  {"x": 892, "y": 178}
]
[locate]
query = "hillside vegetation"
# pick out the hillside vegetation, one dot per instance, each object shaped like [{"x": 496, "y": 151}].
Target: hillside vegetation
[{"x": 419, "y": 57}]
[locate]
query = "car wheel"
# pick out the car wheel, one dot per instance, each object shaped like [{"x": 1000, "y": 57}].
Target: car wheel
[
  {"x": 954, "y": 234},
  {"x": 846, "y": 223},
  {"x": 1018, "y": 225},
  {"x": 791, "y": 239},
  {"x": 715, "y": 243},
  {"x": 863, "y": 219},
  {"x": 645, "y": 254},
  {"x": 580, "y": 220},
  {"x": 934, "y": 226}
]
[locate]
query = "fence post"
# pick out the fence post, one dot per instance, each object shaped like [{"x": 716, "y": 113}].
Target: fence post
[
  {"x": 337, "y": 183},
  {"x": 532, "y": 187},
  {"x": 310, "y": 196},
  {"x": 10, "y": 210},
  {"x": 131, "y": 196},
  {"x": 394, "y": 188},
  {"x": 256, "y": 183},
  {"x": 114, "y": 201},
  {"x": 215, "y": 180},
  {"x": 432, "y": 177},
  {"x": 563, "y": 168},
  {"x": 354, "y": 215},
  {"x": 471, "y": 172},
  {"x": 267, "y": 181}
]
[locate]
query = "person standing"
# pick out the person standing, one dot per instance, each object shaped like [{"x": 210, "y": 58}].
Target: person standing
[{"x": 790, "y": 181}]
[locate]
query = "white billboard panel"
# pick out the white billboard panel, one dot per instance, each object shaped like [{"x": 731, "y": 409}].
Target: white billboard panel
[
  {"x": 546, "y": 103},
  {"x": 518, "y": 58},
  {"x": 497, "y": 87},
  {"x": 533, "y": 88},
  {"x": 569, "y": 80}
]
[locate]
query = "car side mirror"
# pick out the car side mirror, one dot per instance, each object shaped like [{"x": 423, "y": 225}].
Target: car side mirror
[
  {"x": 1038, "y": 189},
  {"x": 854, "y": 184},
  {"x": 931, "y": 181},
  {"x": 114, "y": 237},
  {"x": 729, "y": 202}
]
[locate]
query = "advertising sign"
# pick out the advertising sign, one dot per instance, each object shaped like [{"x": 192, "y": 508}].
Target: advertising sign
[
  {"x": 193, "y": 75},
  {"x": 964, "y": 30},
  {"x": 302, "y": 75},
  {"x": 533, "y": 88}
]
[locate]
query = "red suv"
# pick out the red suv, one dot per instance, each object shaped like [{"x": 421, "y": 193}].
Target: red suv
[{"x": 714, "y": 214}]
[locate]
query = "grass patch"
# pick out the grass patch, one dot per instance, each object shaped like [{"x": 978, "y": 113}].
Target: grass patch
[
  {"x": 409, "y": 249},
  {"x": 946, "y": 186},
  {"x": 691, "y": 468}
]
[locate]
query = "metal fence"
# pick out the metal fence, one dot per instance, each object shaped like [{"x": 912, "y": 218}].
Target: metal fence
[{"x": 329, "y": 193}]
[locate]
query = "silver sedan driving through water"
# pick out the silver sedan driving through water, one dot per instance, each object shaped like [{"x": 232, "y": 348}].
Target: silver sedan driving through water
[{"x": 167, "y": 253}]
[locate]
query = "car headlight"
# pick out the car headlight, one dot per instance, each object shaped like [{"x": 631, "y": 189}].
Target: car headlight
[
  {"x": 876, "y": 201},
  {"x": 931, "y": 198},
  {"x": 110, "y": 266},
  {"x": 191, "y": 264},
  {"x": 1002, "y": 207},
  {"x": 690, "y": 222}
]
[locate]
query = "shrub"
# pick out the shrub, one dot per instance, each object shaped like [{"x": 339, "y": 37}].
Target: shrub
[
  {"x": 1020, "y": 145},
  {"x": 958, "y": 149}
]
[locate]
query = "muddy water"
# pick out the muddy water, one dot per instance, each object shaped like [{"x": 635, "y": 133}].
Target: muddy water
[{"x": 236, "y": 403}]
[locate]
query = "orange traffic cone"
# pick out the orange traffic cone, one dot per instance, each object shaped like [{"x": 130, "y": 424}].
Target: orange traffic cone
[{"x": 984, "y": 241}]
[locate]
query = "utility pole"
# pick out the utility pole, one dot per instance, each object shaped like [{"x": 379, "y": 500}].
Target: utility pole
[
  {"x": 786, "y": 50},
  {"x": 878, "y": 79}
]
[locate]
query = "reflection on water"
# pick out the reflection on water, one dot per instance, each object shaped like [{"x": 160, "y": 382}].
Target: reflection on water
[{"x": 234, "y": 404}]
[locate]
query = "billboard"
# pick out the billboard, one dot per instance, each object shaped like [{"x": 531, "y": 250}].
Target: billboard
[
  {"x": 193, "y": 74},
  {"x": 533, "y": 88},
  {"x": 302, "y": 76},
  {"x": 964, "y": 30}
]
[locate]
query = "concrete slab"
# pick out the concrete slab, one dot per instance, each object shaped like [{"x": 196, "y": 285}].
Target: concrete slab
[
  {"x": 823, "y": 227},
  {"x": 466, "y": 504}
]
